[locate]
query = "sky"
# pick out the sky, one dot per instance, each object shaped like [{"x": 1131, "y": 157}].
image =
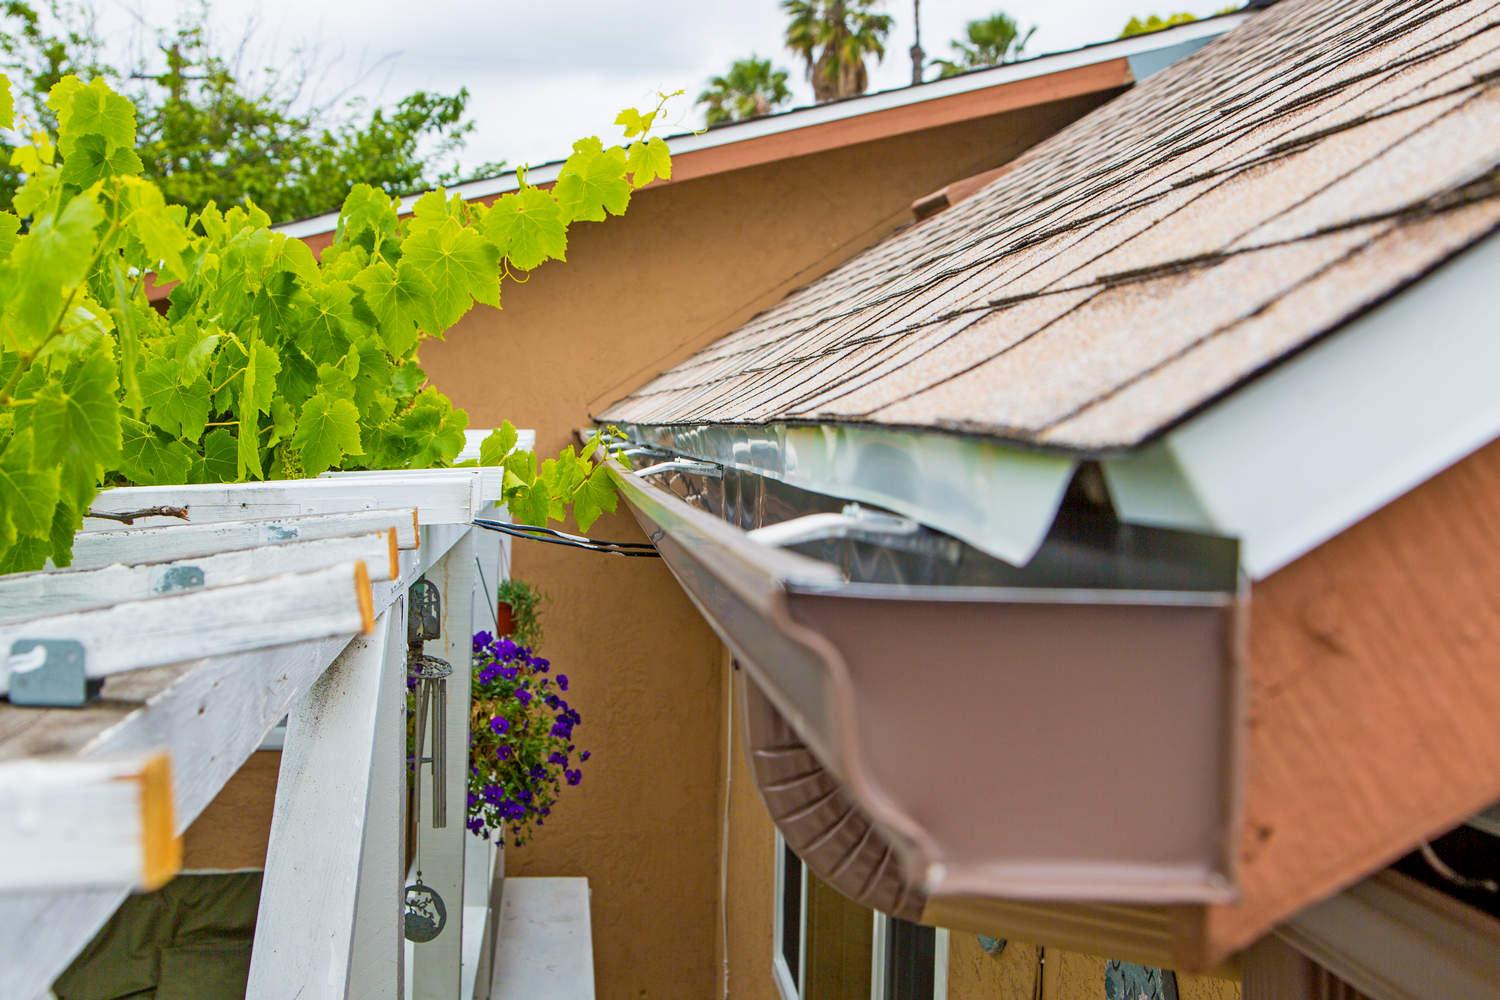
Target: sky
[{"x": 543, "y": 74}]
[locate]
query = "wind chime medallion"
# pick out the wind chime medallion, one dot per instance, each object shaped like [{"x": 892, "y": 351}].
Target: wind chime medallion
[{"x": 426, "y": 916}]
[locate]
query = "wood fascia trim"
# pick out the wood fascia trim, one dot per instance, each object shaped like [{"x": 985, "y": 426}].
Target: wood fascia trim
[{"x": 1094, "y": 78}]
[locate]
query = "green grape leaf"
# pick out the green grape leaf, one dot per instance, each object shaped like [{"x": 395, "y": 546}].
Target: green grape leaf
[
  {"x": 330, "y": 322},
  {"x": 220, "y": 456},
  {"x": 147, "y": 458},
  {"x": 635, "y": 123},
  {"x": 647, "y": 161},
  {"x": 367, "y": 218},
  {"x": 500, "y": 442},
  {"x": 400, "y": 298},
  {"x": 593, "y": 497},
  {"x": 592, "y": 181},
  {"x": 28, "y": 493},
  {"x": 93, "y": 159},
  {"x": 7, "y": 104},
  {"x": 261, "y": 369},
  {"x": 78, "y": 418},
  {"x": 407, "y": 380},
  {"x": 130, "y": 344},
  {"x": 531, "y": 504},
  {"x": 158, "y": 226},
  {"x": 528, "y": 228},
  {"x": 91, "y": 110},
  {"x": 327, "y": 431},
  {"x": 462, "y": 266},
  {"x": 175, "y": 402},
  {"x": 32, "y": 553},
  {"x": 10, "y": 224},
  {"x": 47, "y": 261}
]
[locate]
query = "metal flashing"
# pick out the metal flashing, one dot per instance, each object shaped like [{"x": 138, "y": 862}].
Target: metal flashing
[{"x": 997, "y": 498}]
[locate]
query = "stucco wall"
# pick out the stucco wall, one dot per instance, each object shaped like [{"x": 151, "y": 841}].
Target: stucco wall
[
  {"x": 1012, "y": 975},
  {"x": 689, "y": 262}
]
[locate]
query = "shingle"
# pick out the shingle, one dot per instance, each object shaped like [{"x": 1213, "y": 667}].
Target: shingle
[{"x": 1153, "y": 254}]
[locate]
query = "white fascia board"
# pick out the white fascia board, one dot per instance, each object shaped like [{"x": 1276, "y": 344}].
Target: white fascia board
[
  {"x": 819, "y": 114},
  {"x": 1338, "y": 431}
]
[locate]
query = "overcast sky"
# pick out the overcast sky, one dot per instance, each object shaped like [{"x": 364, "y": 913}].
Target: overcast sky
[{"x": 542, "y": 74}]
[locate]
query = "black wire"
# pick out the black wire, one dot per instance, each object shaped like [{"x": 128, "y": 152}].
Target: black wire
[{"x": 633, "y": 549}]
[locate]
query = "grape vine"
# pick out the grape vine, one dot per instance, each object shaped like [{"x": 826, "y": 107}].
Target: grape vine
[{"x": 267, "y": 362}]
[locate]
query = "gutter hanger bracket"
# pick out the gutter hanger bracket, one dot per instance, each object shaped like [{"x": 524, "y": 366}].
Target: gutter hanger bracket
[
  {"x": 853, "y": 522},
  {"x": 683, "y": 465}
]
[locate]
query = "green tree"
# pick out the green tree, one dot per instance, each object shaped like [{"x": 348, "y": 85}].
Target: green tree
[
  {"x": 751, "y": 88},
  {"x": 834, "y": 38},
  {"x": 991, "y": 41},
  {"x": 1136, "y": 26},
  {"x": 207, "y": 134}
]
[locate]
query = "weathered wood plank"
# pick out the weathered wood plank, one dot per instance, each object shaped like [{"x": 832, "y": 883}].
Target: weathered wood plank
[
  {"x": 1374, "y": 695},
  {"x": 171, "y": 629},
  {"x": 65, "y": 591},
  {"x": 377, "y": 968},
  {"x": 102, "y": 547},
  {"x": 210, "y": 715},
  {"x": 304, "y": 933},
  {"x": 71, "y": 824},
  {"x": 438, "y": 962},
  {"x": 443, "y": 496},
  {"x": 491, "y": 478}
]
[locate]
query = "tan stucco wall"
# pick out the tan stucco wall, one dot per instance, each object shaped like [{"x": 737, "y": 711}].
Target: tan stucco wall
[
  {"x": 689, "y": 262},
  {"x": 1012, "y": 975}
]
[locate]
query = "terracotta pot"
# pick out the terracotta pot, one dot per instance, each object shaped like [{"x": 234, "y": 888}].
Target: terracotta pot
[{"x": 505, "y": 621}]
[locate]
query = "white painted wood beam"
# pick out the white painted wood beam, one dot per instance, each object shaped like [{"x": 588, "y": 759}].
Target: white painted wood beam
[
  {"x": 491, "y": 478},
  {"x": 103, "y": 546},
  {"x": 443, "y": 496},
  {"x": 210, "y": 715},
  {"x": 377, "y": 968},
  {"x": 74, "y": 824},
  {"x": 54, "y": 592},
  {"x": 438, "y": 962},
  {"x": 330, "y": 602},
  {"x": 305, "y": 929}
]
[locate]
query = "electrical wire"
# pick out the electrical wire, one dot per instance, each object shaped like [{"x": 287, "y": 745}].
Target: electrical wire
[{"x": 639, "y": 550}]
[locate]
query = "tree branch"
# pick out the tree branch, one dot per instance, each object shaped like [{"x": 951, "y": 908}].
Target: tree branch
[{"x": 129, "y": 516}]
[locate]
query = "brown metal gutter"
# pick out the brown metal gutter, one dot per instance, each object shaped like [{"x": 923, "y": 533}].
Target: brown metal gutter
[{"x": 1001, "y": 743}]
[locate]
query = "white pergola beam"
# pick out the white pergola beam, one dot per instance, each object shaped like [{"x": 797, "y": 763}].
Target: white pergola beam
[
  {"x": 101, "y": 546},
  {"x": 442, "y": 496},
  {"x": 74, "y": 824},
  {"x": 330, "y": 602},
  {"x": 30, "y": 595}
]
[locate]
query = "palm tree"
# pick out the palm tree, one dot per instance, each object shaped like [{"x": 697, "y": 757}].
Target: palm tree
[
  {"x": 833, "y": 38},
  {"x": 993, "y": 40},
  {"x": 751, "y": 88}
]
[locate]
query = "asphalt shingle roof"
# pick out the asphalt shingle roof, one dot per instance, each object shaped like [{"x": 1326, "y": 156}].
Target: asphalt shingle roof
[{"x": 1153, "y": 255}]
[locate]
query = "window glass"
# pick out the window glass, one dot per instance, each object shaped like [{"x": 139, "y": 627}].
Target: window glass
[
  {"x": 910, "y": 956},
  {"x": 791, "y": 913}
]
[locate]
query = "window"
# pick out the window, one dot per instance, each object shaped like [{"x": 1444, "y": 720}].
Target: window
[{"x": 829, "y": 948}]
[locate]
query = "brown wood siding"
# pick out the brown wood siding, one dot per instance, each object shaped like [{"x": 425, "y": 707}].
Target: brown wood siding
[{"x": 1375, "y": 693}]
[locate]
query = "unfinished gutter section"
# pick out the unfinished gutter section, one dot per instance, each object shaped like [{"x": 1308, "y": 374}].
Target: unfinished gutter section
[{"x": 1066, "y": 729}]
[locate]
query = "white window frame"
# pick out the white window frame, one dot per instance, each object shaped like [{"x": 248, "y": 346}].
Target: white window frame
[{"x": 791, "y": 988}]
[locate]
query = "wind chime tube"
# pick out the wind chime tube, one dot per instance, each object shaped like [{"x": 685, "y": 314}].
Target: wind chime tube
[
  {"x": 417, "y": 744},
  {"x": 439, "y": 756}
]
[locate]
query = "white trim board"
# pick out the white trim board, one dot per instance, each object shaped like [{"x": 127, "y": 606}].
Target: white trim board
[
  {"x": 64, "y": 591},
  {"x": 185, "y": 540},
  {"x": 134, "y": 635},
  {"x": 441, "y": 496},
  {"x": 854, "y": 107},
  {"x": 1340, "y": 430}
]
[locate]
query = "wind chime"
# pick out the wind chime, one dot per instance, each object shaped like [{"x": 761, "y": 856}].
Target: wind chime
[{"x": 426, "y": 915}]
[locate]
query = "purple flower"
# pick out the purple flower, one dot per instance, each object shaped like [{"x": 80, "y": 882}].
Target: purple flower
[
  {"x": 503, "y": 753},
  {"x": 523, "y": 696},
  {"x": 562, "y": 681},
  {"x": 500, "y": 724},
  {"x": 509, "y": 673},
  {"x": 584, "y": 755},
  {"x": 539, "y": 665},
  {"x": 553, "y": 701},
  {"x": 482, "y": 639},
  {"x": 574, "y": 777},
  {"x": 560, "y": 759}
]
